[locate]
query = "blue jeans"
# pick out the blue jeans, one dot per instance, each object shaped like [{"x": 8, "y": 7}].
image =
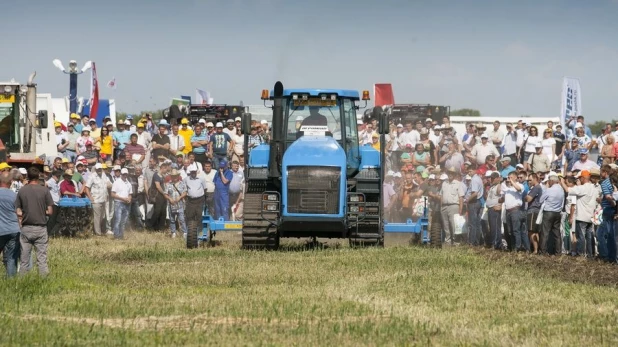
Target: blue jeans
[
  {"x": 222, "y": 205},
  {"x": 583, "y": 232},
  {"x": 495, "y": 227},
  {"x": 474, "y": 223},
  {"x": 179, "y": 216},
  {"x": 606, "y": 236},
  {"x": 121, "y": 214},
  {"x": 516, "y": 221},
  {"x": 71, "y": 155},
  {"x": 9, "y": 245}
]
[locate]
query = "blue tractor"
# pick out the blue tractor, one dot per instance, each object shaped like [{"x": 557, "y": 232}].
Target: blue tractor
[{"x": 312, "y": 179}]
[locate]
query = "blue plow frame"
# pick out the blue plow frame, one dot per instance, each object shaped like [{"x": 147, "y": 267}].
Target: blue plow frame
[
  {"x": 409, "y": 227},
  {"x": 210, "y": 226}
]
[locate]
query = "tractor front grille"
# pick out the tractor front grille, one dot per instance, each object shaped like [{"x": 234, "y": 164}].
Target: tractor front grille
[{"x": 313, "y": 189}]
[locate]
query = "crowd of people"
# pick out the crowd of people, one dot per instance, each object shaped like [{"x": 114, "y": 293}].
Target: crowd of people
[
  {"x": 148, "y": 176},
  {"x": 508, "y": 187}
]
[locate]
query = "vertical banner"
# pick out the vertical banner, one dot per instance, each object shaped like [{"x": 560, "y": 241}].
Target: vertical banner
[
  {"x": 571, "y": 101},
  {"x": 202, "y": 97},
  {"x": 383, "y": 94},
  {"x": 94, "y": 98}
]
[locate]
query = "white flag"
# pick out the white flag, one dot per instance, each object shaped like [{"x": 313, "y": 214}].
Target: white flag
[
  {"x": 202, "y": 97},
  {"x": 571, "y": 101},
  {"x": 112, "y": 84}
]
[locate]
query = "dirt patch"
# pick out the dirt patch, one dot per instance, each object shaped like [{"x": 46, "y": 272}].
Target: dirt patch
[{"x": 563, "y": 267}]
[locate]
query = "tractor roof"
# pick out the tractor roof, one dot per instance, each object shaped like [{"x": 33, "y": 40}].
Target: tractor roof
[{"x": 347, "y": 93}]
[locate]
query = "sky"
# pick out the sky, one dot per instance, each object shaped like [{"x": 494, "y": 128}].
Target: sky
[{"x": 504, "y": 58}]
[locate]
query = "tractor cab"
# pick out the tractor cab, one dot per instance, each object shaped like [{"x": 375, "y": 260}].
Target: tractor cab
[
  {"x": 319, "y": 113},
  {"x": 10, "y": 114}
]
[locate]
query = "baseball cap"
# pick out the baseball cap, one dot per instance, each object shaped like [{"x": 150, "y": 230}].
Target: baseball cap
[
  {"x": 23, "y": 171},
  {"x": 437, "y": 127},
  {"x": 184, "y": 121},
  {"x": 192, "y": 167},
  {"x": 126, "y": 122},
  {"x": 98, "y": 166},
  {"x": 583, "y": 151},
  {"x": 209, "y": 124},
  {"x": 230, "y": 120},
  {"x": 92, "y": 120},
  {"x": 428, "y": 120},
  {"x": 124, "y": 171},
  {"x": 129, "y": 117},
  {"x": 4, "y": 166},
  {"x": 484, "y": 136},
  {"x": 68, "y": 172},
  {"x": 88, "y": 143},
  {"x": 390, "y": 173},
  {"x": 116, "y": 167},
  {"x": 263, "y": 121},
  {"x": 110, "y": 123},
  {"x": 443, "y": 177},
  {"x": 74, "y": 116},
  {"x": 597, "y": 172},
  {"x": 237, "y": 119},
  {"x": 57, "y": 125},
  {"x": 219, "y": 125},
  {"x": 519, "y": 166},
  {"x": 399, "y": 125},
  {"x": 359, "y": 122},
  {"x": 468, "y": 177},
  {"x": 432, "y": 177},
  {"x": 583, "y": 173},
  {"x": 202, "y": 121},
  {"x": 488, "y": 173},
  {"x": 163, "y": 122},
  {"x": 65, "y": 160},
  {"x": 140, "y": 125},
  {"x": 578, "y": 125},
  {"x": 222, "y": 162}
]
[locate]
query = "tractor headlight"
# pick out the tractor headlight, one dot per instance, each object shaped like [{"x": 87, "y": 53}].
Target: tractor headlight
[
  {"x": 270, "y": 197},
  {"x": 354, "y": 209},
  {"x": 356, "y": 198},
  {"x": 271, "y": 207}
]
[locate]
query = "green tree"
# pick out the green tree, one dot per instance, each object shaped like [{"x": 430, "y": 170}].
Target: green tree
[
  {"x": 597, "y": 126},
  {"x": 465, "y": 112}
]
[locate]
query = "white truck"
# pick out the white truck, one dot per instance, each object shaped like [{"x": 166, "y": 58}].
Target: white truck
[{"x": 27, "y": 132}]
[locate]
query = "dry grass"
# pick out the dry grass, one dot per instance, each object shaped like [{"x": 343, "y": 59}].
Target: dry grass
[{"x": 149, "y": 290}]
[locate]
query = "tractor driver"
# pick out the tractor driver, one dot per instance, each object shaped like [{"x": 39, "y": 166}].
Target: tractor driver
[{"x": 315, "y": 118}]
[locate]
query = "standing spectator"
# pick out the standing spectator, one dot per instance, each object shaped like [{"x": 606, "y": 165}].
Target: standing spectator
[
  {"x": 472, "y": 199},
  {"x": 199, "y": 142},
  {"x": 105, "y": 144},
  {"x": 530, "y": 141},
  {"x": 96, "y": 189},
  {"x": 481, "y": 150},
  {"x": 120, "y": 137},
  {"x": 507, "y": 168},
  {"x": 220, "y": 146},
  {"x": 608, "y": 154},
  {"x": 586, "y": 201},
  {"x": 80, "y": 143},
  {"x": 236, "y": 183},
  {"x": 452, "y": 203},
  {"x": 160, "y": 143},
  {"x": 196, "y": 188},
  {"x": 239, "y": 145},
  {"x": 538, "y": 162},
  {"x": 34, "y": 203},
  {"x": 71, "y": 136},
  {"x": 561, "y": 145},
  {"x": 584, "y": 163},
  {"x": 208, "y": 175},
  {"x": 137, "y": 195},
  {"x": 176, "y": 193},
  {"x": 9, "y": 226},
  {"x": 177, "y": 142},
  {"x": 549, "y": 145},
  {"x": 494, "y": 210},
  {"x": 606, "y": 236},
  {"x": 121, "y": 193},
  {"x": 453, "y": 158},
  {"x": 53, "y": 183},
  {"x": 187, "y": 134},
  {"x": 159, "y": 213},
  {"x": 553, "y": 197},
  {"x": 509, "y": 144},
  {"x": 533, "y": 199},
  {"x": 515, "y": 218},
  {"x": 497, "y": 136},
  {"x": 222, "y": 180},
  {"x": 584, "y": 140},
  {"x": 254, "y": 139},
  {"x": 134, "y": 151},
  {"x": 144, "y": 138}
]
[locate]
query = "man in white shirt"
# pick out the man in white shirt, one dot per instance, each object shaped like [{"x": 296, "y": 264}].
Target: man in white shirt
[
  {"x": 496, "y": 136},
  {"x": 121, "y": 193},
  {"x": 230, "y": 128},
  {"x": 177, "y": 142},
  {"x": 482, "y": 150},
  {"x": 510, "y": 143},
  {"x": 515, "y": 217},
  {"x": 366, "y": 135},
  {"x": 409, "y": 136},
  {"x": 208, "y": 174},
  {"x": 586, "y": 201},
  {"x": 97, "y": 191}
]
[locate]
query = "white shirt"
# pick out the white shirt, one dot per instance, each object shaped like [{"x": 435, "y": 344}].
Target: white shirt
[
  {"x": 587, "y": 165},
  {"x": 547, "y": 148},
  {"x": 435, "y": 139},
  {"x": 510, "y": 143},
  {"x": 480, "y": 152},
  {"x": 512, "y": 198},
  {"x": 409, "y": 138},
  {"x": 232, "y": 132},
  {"x": 531, "y": 142},
  {"x": 122, "y": 189},
  {"x": 60, "y": 137},
  {"x": 239, "y": 144},
  {"x": 586, "y": 201},
  {"x": 210, "y": 180},
  {"x": 521, "y": 136},
  {"x": 365, "y": 137},
  {"x": 144, "y": 139},
  {"x": 176, "y": 141}
]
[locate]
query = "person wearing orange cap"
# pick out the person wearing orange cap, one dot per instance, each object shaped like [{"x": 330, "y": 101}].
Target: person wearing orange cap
[{"x": 582, "y": 228}]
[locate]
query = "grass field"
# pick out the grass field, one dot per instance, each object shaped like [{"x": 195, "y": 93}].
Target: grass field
[{"x": 149, "y": 290}]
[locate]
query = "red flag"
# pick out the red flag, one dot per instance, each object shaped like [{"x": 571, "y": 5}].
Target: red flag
[
  {"x": 94, "y": 98},
  {"x": 383, "y": 94}
]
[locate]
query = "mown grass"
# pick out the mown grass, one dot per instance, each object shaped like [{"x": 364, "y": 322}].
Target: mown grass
[{"x": 149, "y": 290}]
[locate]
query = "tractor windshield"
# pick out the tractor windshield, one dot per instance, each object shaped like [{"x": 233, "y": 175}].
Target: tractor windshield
[{"x": 9, "y": 133}]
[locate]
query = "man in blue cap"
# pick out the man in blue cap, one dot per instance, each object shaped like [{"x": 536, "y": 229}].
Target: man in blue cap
[{"x": 222, "y": 180}]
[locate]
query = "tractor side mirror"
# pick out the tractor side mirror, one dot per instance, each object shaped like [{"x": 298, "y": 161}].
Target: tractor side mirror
[
  {"x": 246, "y": 123},
  {"x": 383, "y": 127},
  {"x": 42, "y": 119}
]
